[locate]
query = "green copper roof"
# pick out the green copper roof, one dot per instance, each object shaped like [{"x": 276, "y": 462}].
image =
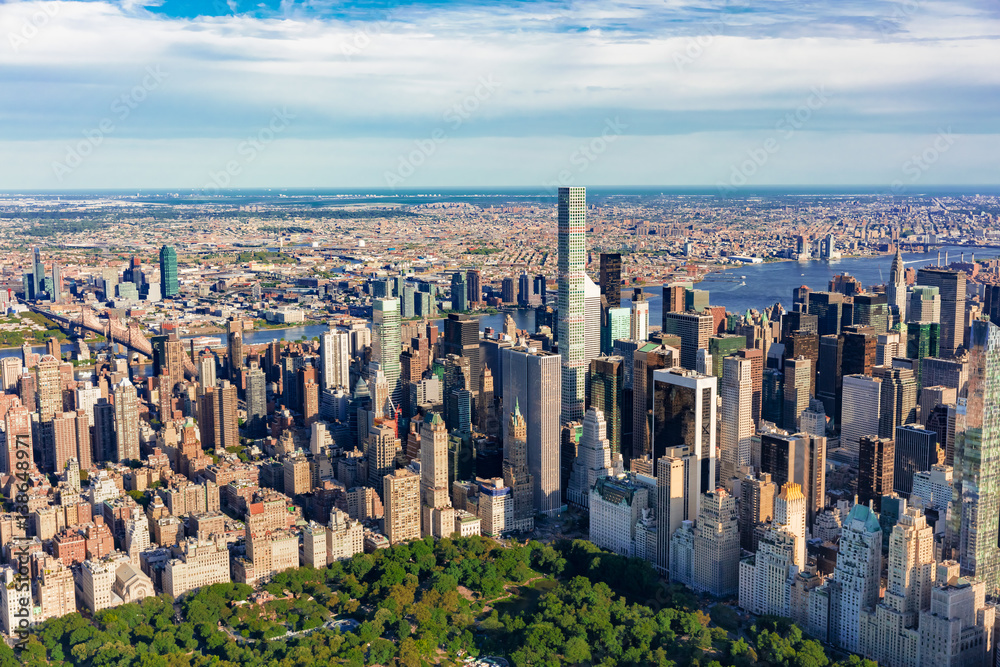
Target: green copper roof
[
  {"x": 436, "y": 419},
  {"x": 517, "y": 409},
  {"x": 866, "y": 515}
]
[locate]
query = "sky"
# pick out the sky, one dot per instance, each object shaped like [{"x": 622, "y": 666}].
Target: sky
[{"x": 732, "y": 94}]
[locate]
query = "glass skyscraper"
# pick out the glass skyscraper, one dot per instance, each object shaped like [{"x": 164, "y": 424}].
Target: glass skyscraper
[
  {"x": 386, "y": 344},
  {"x": 168, "y": 271}
]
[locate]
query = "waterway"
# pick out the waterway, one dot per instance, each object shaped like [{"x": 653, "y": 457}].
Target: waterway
[{"x": 750, "y": 286}]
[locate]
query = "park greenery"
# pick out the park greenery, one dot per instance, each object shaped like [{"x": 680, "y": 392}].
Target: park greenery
[
  {"x": 431, "y": 602},
  {"x": 23, "y": 334}
]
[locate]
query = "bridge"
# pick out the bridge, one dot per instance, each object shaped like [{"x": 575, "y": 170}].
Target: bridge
[{"x": 129, "y": 335}]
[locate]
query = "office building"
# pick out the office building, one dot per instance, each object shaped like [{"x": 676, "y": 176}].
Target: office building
[
  {"x": 677, "y": 492},
  {"x": 952, "y": 373},
  {"x": 813, "y": 420},
  {"x": 694, "y": 330},
  {"x": 401, "y": 495},
  {"x": 639, "y": 318},
  {"x": 461, "y": 338},
  {"x": 924, "y": 305},
  {"x": 737, "y": 425},
  {"x": 256, "y": 396},
  {"x": 828, "y": 307},
  {"x": 684, "y": 415},
  {"x": 872, "y": 311},
  {"x": 898, "y": 401},
  {"x": 530, "y": 381},
  {"x": 437, "y": 515},
  {"x": 459, "y": 292},
  {"x": 829, "y": 375},
  {"x": 915, "y": 451},
  {"x": 861, "y": 412},
  {"x": 572, "y": 334},
  {"x": 611, "y": 279},
  {"x": 951, "y": 288},
  {"x": 617, "y": 325},
  {"x": 798, "y": 458},
  {"x": 606, "y": 386},
  {"x": 796, "y": 391},
  {"x": 474, "y": 286},
  {"x": 646, "y": 360},
  {"x": 168, "y": 272},
  {"x": 876, "y": 468},
  {"x": 382, "y": 449},
  {"x": 721, "y": 346}
]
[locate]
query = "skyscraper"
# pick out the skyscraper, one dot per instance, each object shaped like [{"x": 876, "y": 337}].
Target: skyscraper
[
  {"x": 876, "y": 467},
  {"x": 977, "y": 459},
  {"x": 861, "y": 412},
  {"x": 37, "y": 273},
  {"x": 571, "y": 305},
  {"x": 951, "y": 287},
  {"x": 459, "y": 292},
  {"x": 531, "y": 381},
  {"x": 434, "y": 478},
  {"x": 594, "y": 459},
  {"x": 48, "y": 387},
  {"x": 797, "y": 373},
  {"x": 798, "y": 458},
  {"x": 387, "y": 346},
  {"x": 916, "y": 451},
  {"x": 461, "y": 337},
  {"x": 639, "y": 317},
  {"x": 256, "y": 400},
  {"x": 717, "y": 545},
  {"x": 684, "y": 415},
  {"x": 335, "y": 359},
  {"x": 756, "y": 505},
  {"x": 790, "y": 514},
  {"x": 895, "y": 291},
  {"x": 611, "y": 279},
  {"x": 694, "y": 330},
  {"x": 516, "y": 472},
  {"x": 168, "y": 272},
  {"x": 898, "y": 403},
  {"x": 737, "y": 425},
  {"x": 856, "y": 577},
  {"x": 126, "y": 421},
  {"x": 474, "y": 286},
  {"x": 606, "y": 381}
]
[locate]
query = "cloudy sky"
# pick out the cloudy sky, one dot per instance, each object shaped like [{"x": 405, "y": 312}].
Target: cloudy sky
[{"x": 289, "y": 93}]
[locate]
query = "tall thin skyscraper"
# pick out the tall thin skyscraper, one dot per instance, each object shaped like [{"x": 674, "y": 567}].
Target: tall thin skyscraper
[
  {"x": 856, "y": 577},
  {"x": 977, "y": 459},
  {"x": 694, "y": 330},
  {"x": 387, "y": 346},
  {"x": 790, "y": 514},
  {"x": 38, "y": 272},
  {"x": 516, "y": 472},
  {"x": 861, "y": 411},
  {"x": 572, "y": 209},
  {"x": 169, "y": 284},
  {"x": 335, "y": 359},
  {"x": 737, "y": 417},
  {"x": 256, "y": 400},
  {"x": 126, "y": 421},
  {"x": 876, "y": 467}
]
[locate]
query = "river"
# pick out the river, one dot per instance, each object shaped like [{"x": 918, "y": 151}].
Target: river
[{"x": 765, "y": 284}]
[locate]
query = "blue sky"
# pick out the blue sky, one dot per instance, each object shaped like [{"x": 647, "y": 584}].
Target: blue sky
[{"x": 182, "y": 94}]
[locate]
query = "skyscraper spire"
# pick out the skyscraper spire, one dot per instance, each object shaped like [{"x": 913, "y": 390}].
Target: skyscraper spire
[{"x": 896, "y": 289}]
